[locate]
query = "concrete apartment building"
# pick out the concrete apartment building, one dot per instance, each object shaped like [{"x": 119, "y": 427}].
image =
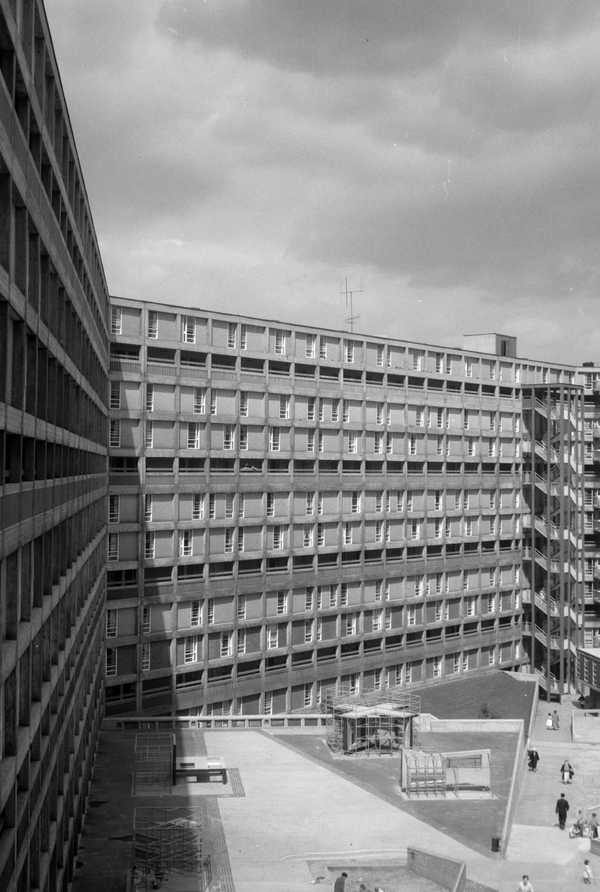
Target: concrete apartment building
[
  {"x": 294, "y": 510},
  {"x": 53, "y": 433}
]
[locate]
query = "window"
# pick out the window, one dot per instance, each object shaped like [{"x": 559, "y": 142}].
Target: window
[
  {"x": 379, "y": 413},
  {"x": 347, "y": 534},
  {"x": 344, "y": 594},
  {"x": 309, "y": 597},
  {"x": 378, "y": 444},
  {"x": 380, "y": 354},
  {"x": 116, "y": 321},
  {"x": 387, "y": 619},
  {"x": 210, "y": 612},
  {"x": 241, "y": 641},
  {"x": 278, "y": 538},
  {"x": 148, "y": 507},
  {"x": 114, "y": 433},
  {"x": 309, "y": 504},
  {"x": 114, "y": 508},
  {"x": 199, "y": 401},
  {"x": 491, "y": 448},
  {"x": 110, "y": 667},
  {"x": 115, "y": 395},
  {"x": 438, "y": 499},
  {"x": 349, "y": 351},
  {"x": 193, "y": 435},
  {"x": 412, "y": 445},
  {"x": 152, "y": 324},
  {"x": 333, "y": 595},
  {"x": 379, "y": 531},
  {"x": 310, "y": 441},
  {"x": 243, "y": 404},
  {"x": 493, "y": 500},
  {"x": 282, "y": 603},
  {"x": 320, "y": 535},
  {"x": 468, "y": 526},
  {"x": 351, "y": 624},
  {"x": 491, "y": 657},
  {"x": 307, "y": 694},
  {"x": 417, "y": 361},
  {"x": 322, "y": 349},
  {"x": 280, "y": 342},
  {"x": 411, "y": 616},
  {"x": 345, "y": 411},
  {"x": 439, "y": 445},
  {"x": 307, "y": 537},
  {"x": 410, "y": 501},
  {"x": 229, "y": 437},
  {"x": 321, "y": 410},
  {"x": 458, "y": 501},
  {"x": 231, "y": 335},
  {"x": 468, "y": 368},
  {"x": 420, "y": 417},
  {"x": 146, "y": 619},
  {"x": 320, "y": 442},
  {"x": 439, "y": 528},
  {"x": 112, "y": 624},
  {"x": 241, "y": 539},
  {"x": 195, "y": 613},
  {"x": 491, "y": 604},
  {"x": 355, "y": 503},
  {"x": 189, "y": 330},
  {"x": 228, "y": 540},
  {"x": 284, "y": 407},
  {"x": 352, "y": 443},
  {"x": 492, "y": 421},
  {"x": 469, "y": 606},
  {"x": 439, "y": 363},
  {"x": 148, "y": 435},
  {"x": 310, "y": 408},
  {"x": 270, "y": 507},
  {"x": 309, "y": 350},
  {"x": 466, "y": 420},
  {"x": 186, "y": 543},
  {"x": 471, "y": 446},
  {"x": 414, "y": 529},
  {"x": 272, "y": 637},
  {"x": 149, "y": 545},
  {"x": 274, "y": 439},
  {"x": 377, "y": 621},
  {"x": 190, "y": 649},
  {"x": 335, "y": 410},
  {"x": 243, "y": 439},
  {"x": 244, "y": 337},
  {"x": 241, "y": 607},
  {"x": 213, "y": 403},
  {"x": 437, "y": 667},
  {"x": 113, "y": 547},
  {"x": 225, "y": 648},
  {"x": 320, "y": 503}
]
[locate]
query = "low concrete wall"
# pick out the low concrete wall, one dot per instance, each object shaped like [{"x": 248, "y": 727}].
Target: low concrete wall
[
  {"x": 216, "y": 722},
  {"x": 469, "y": 726},
  {"x": 445, "y": 872},
  {"x": 513, "y": 793}
]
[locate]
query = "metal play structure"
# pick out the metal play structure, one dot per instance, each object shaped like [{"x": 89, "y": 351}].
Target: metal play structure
[{"x": 373, "y": 723}]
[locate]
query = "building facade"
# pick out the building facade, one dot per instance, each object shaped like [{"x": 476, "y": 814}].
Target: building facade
[
  {"x": 53, "y": 432},
  {"x": 294, "y": 511}
]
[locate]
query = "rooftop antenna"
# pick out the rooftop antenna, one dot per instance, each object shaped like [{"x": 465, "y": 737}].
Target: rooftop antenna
[{"x": 350, "y": 317}]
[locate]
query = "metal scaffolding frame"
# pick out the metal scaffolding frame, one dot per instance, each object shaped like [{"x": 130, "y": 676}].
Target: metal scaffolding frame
[{"x": 373, "y": 723}]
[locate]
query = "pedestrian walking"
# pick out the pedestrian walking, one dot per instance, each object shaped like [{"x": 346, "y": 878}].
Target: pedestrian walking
[
  {"x": 549, "y": 725},
  {"x": 566, "y": 772},
  {"x": 525, "y": 884},
  {"x": 340, "y": 883},
  {"x": 555, "y": 720},
  {"x": 594, "y": 826},
  {"x": 561, "y": 809},
  {"x": 588, "y": 875},
  {"x": 534, "y": 758}
]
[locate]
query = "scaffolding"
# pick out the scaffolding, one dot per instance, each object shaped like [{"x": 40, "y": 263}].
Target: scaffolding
[
  {"x": 167, "y": 843},
  {"x": 153, "y": 762},
  {"x": 425, "y": 773},
  {"x": 374, "y": 723}
]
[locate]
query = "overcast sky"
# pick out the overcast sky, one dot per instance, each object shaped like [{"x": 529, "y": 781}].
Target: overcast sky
[{"x": 444, "y": 155}]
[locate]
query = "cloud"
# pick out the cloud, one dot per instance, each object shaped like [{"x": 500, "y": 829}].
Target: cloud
[{"x": 249, "y": 155}]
